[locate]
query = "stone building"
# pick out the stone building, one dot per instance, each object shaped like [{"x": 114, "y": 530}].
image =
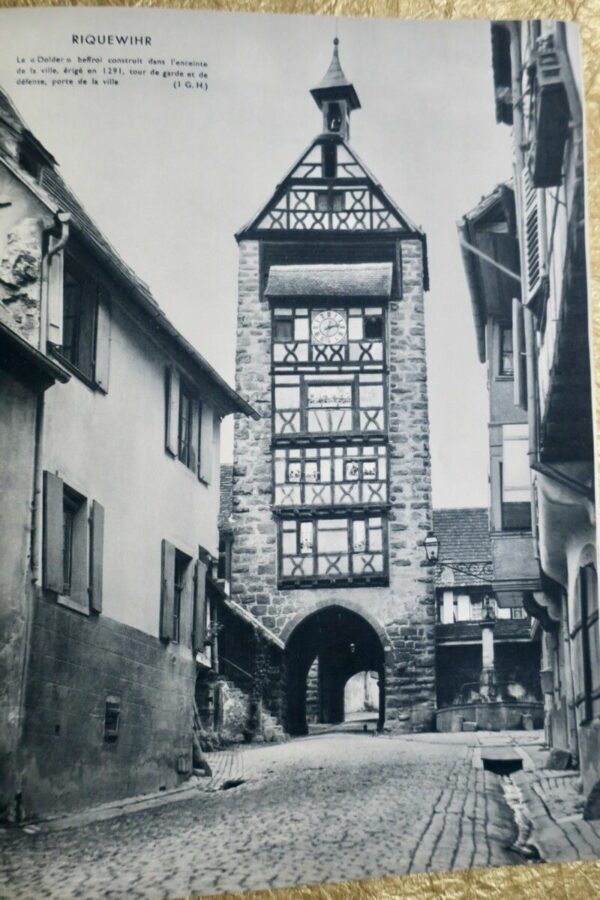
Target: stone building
[
  {"x": 110, "y": 425},
  {"x": 538, "y": 91},
  {"x": 475, "y": 634},
  {"x": 331, "y": 488}
]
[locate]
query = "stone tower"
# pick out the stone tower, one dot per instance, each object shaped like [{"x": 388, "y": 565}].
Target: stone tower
[{"x": 332, "y": 487}]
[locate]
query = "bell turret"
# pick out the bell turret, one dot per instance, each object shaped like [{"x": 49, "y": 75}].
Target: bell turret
[{"x": 336, "y": 98}]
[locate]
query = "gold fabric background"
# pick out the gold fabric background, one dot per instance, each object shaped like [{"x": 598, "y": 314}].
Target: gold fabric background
[{"x": 568, "y": 881}]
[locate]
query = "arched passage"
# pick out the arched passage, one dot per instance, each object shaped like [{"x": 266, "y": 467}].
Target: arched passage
[{"x": 344, "y": 643}]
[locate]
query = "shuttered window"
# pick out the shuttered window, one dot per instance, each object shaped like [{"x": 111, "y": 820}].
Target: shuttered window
[
  {"x": 189, "y": 426},
  {"x": 200, "y": 607},
  {"x": 207, "y": 438},
  {"x": 55, "y": 294},
  {"x": 586, "y": 646},
  {"x": 83, "y": 337},
  {"x": 175, "y": 603},
  {"x": 533, "y": 237},
  {"x": 72, "y": 546},
  {"x": 186, "y": 451},
  {"x": 515, "y": 479},
  {"x": 506, "y": 362},
  {"x": 519, "y": 355}
]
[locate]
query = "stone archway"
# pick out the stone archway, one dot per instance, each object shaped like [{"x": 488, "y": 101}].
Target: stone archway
[{"x": 344, "y": 642}]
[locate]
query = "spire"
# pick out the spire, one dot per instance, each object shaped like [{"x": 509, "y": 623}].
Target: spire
[{"x": 335, "y": 86}]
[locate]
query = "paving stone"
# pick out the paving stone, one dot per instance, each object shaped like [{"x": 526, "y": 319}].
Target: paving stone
[{"x": 320, "y": 809}]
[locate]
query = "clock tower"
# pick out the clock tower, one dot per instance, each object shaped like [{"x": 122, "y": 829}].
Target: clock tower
[{"x": 332, "y": 488}]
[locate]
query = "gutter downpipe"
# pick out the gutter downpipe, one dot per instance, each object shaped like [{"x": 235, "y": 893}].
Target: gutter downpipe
[
  {"x": 61, "y": 223},
  {"x": 528, "y": 325},
  {"x": 62, "y": 226}
]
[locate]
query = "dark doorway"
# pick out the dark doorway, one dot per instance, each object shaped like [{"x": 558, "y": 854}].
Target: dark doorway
[{"x": 332, "y": 645}]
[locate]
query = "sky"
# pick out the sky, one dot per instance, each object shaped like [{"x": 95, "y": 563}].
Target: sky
[{"x": 170, "y": 176}]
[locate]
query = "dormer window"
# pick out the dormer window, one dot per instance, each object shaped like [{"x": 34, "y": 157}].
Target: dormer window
[{"x": 30, "y": 163}]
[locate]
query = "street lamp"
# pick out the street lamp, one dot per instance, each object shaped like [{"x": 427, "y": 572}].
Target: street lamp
[
  {"x": 432, "y": 548},
  {"x": 432, "y": 556}
]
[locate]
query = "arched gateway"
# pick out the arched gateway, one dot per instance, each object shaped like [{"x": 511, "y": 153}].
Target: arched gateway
[
  {"x": 332, "y": 484},
  {"x": 343, "y": 643}
]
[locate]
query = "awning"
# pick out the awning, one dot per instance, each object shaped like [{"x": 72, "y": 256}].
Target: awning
[
  {"x": 508, "y": 599},
  {"x": 339, "y": 281}
]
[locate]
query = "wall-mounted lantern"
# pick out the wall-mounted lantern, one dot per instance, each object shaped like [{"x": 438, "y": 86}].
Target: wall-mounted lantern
[{"x": 432, "y": 548}]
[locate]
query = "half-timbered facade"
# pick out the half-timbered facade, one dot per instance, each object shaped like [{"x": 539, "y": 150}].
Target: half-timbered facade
[{"x": 332, "y": 489}]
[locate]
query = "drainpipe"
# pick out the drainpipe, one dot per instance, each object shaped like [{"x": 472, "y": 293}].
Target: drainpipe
[
  {"x": 33, "y": 585},
  {"x": 62, "y": 226},
  {"x": 59, "y": 230}
]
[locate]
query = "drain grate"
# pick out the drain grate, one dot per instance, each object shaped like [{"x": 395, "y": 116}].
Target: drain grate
[
  {"x": 232, "y": 783},
  {"x": 502, "y": 766}
]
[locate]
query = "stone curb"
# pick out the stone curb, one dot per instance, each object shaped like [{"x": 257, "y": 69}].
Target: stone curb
[
  {"x": 556, "y": 841},
  {"x": 226, "y": 766}
]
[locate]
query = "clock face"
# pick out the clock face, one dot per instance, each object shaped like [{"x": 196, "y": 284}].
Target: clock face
[{"x": 329, "y": 327}]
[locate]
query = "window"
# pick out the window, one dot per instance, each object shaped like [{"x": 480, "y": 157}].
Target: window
[
  {"x": 329, "y": 407},
  {"x": 73, "y": 507},
  {"x": 80, "y": 303},
  {"x": 283, "y": 329},
  {"x": 517, "y": 612},
  {"x": 191, "y": 427},
  {"x": 181, "y": 564},
  {"x": 358, "y": 337},
  {"x": 224, "y": 562},
  {"x": 586, "y": 644},
  {"x": 72, "y": 546},
  {"x": 112, "y": 715},
  {"x": 176, "y": 595},
  {"x": 326, "y": 404},
  {"x": 186, "y": 451},
  {"x": 337, "y": 548},
  {"x": 319, "y": 476},
  {"x": 515, "y": 479},
  {"x": 373, "y": 328},
  {"x": 78, "y": 316},
  {"x": 506, "y": 365}
]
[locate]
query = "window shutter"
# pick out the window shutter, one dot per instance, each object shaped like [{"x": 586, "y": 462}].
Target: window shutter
[
  {"x": 54, "y": 295},
  {"x": 102, "y": 361},
  {"x": 172, "y": 410},
  {"x": 53, "y": 533},
  {"x": 519, "y": 355},
  {"x": 206, "y": 444},
  {"x": 167, "y": 594},
  {"x": 532, "y": 237},
  {"x": 96, "y": 554},
  {"x": 199, "y": 632}
]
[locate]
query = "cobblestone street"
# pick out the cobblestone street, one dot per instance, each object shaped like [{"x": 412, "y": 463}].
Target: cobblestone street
[{"x": 326, "y": 808}]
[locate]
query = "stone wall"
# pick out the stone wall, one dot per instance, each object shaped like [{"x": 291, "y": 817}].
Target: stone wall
[
  {"x": 17, "y": 449},
  {"x": 404, "y": 611},
  {"x": 20, "y": 270},
  {"x": 76, "y": 662}
]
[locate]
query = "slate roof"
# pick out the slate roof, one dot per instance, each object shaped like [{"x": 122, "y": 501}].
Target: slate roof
[
  {"x": 464, "y": 534},
  {"x": 226, "y": 500},
  {"x": 353, "y": 280},
  {"x": 335, "y": 80},
  {"x": 464, "y": 537}
]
